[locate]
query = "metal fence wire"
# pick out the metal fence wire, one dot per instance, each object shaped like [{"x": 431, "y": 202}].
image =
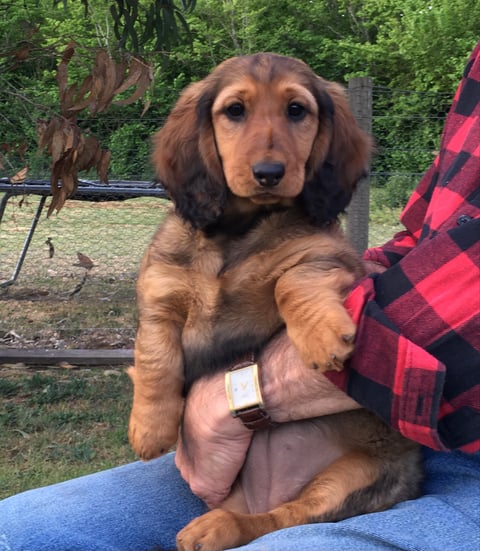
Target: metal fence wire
[{"x": 76, "y": 287}]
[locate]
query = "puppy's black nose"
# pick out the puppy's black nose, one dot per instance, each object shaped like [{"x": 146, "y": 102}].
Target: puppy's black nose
[{"x": 268, "y": 174}]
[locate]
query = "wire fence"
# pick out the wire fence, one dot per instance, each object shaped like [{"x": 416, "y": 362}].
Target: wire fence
[{"x": 76, "y": 287}]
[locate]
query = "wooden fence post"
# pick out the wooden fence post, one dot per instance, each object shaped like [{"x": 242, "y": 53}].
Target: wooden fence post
[{"x": 360, "y": 97}]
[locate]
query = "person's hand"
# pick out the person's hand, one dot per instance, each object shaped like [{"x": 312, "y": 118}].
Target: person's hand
[
  {"x": 292, "y": 391},
  {"x": 213, "y": 445},
  {"x": 372, "y": 267}
]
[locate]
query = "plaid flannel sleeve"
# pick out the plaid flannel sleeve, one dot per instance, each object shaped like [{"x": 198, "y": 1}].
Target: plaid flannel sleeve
[
  {"x": 417, "y": 355},
  {"x": 423, "y": 379}
]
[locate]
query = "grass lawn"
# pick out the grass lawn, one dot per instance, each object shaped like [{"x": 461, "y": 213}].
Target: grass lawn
[{"x": 61, "y": 423}]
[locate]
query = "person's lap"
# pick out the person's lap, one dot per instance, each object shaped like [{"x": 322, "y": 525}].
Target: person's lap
[
  {"x": 138, "y": 506},
  {"x": 142, "y": 506}
]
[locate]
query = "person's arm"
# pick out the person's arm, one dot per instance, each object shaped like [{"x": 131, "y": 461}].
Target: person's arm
[
  {"x": 398, "y": 375},
  {"x": 424, "y": 380}
]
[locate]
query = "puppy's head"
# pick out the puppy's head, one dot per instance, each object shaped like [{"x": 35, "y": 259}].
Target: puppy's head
[{"x": 266, "y": 130}]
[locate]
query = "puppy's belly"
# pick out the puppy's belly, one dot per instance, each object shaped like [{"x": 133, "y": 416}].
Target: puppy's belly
[{"x": 280, "y": 462}]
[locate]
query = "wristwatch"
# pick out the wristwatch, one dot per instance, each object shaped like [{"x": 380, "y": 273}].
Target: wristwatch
[{"x": 244, "y": 396}]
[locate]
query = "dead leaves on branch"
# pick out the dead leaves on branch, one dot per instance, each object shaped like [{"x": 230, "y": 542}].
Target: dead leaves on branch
[
  {"x": 107, "y": 79},
  {"x": 16, "y": 150},
  {"x": 71, "y": 152},
  {"x": 70, "y": 149}
]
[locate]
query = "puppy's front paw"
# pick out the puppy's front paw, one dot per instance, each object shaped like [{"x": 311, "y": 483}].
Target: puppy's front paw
[
  {"x": 152, "y": 431},
  {"x": 326, "y": 345}
]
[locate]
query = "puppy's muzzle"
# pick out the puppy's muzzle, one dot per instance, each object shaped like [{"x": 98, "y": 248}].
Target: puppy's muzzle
[{"x": 268, "y": 174}]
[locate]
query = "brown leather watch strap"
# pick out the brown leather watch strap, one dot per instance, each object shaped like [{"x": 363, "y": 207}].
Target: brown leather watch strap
[
  {"x": 244, "y": 361},
  {"x": 255, "y": 418}
]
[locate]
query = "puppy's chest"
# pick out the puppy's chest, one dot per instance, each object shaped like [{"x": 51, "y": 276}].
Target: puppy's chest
[
  {"x": 228, "y": 284},
  {"x": 232, "y": 311},
  {"x": 244, "y": 269}
]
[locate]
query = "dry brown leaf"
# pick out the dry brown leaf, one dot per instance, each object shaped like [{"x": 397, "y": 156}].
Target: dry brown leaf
[
  {"x": 121, "y": 68},
  {"x": 57, "y": 145},
  {"x": 87, "y": 156},
  {"x": 68, "y": 183},
  {"x": 51, "y": 247},
  {"x": 142, "y": 86},
  {"x": 98, "y": 82},
  {"x": 97, "y": 86},
  {"x": 22, "y": 53},
  {"x": 45, "y": 131},
  {"x": 58, "y": 192},
  {"x": 68, "y": 52},
  {"x": 22, "y": 149},
  {"x": 134, "y": 73},
  {"x": 19, "y": 177},
  {"x": 62, "y": 186},
  {"x": 107, "y": 67},
  {"x": 68, "y": 98},
  {"x": 146, "y": 107},
  {"x": 41, "y": 127},
  {"x": 70, "y": 150},
  {"x": 103, "y": 164},
  {"x": 62, "y": 72},
  {"x": 80, "y": 100},
  {"x": 61, "y": 77},
  {"x": 69, "y": 138},
  {"x": 65, "y": 365},
  {"x": 85, "y": 87},
  {"x": 84, "y": 261}
]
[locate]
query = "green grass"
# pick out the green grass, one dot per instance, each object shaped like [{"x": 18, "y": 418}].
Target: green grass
[
  {"x": 383, "y": 224},
  {"x": 57, "y": 424}
]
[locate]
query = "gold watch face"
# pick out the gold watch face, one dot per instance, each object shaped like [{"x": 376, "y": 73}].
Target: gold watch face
[{"x": 243, "y": 390}]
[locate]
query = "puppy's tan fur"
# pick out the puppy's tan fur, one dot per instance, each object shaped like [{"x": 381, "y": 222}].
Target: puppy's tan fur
[{"x": 243, "y": 256}]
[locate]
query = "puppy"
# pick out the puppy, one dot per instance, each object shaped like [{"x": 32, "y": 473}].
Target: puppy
[{"x": 259, "y": 159}]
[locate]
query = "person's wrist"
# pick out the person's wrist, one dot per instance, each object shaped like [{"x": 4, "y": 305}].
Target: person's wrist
[
  {"x": 274, "y": 383},
  {"x": 212, "y": 408}
]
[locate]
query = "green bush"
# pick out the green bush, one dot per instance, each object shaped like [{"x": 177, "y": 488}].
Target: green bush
[
  {"x": 130, "y": 147},
  {"x": 394, "y": 192}
]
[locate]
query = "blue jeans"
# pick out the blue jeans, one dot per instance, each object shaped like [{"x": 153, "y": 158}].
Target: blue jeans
[{"x": 141, "y": 507}]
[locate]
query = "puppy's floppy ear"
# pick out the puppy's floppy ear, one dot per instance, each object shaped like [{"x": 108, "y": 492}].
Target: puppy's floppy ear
[
  {"x": 340, "y": 156},
  {"x": 186, "y": 160}
]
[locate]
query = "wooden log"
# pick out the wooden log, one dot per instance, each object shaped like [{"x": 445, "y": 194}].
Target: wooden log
[{"x": 76, "y": 357}]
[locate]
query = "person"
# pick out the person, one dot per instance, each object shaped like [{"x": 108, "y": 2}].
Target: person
[{"x": 416, "y": 364}]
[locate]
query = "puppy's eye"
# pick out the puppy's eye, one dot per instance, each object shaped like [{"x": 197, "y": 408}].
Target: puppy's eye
[
  {"x": 235, "y": 111},
  {"x": 296, "y": 111}
]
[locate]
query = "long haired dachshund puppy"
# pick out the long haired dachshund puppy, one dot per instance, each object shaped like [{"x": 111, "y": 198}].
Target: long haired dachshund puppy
[{"x": 259, "y": 158}]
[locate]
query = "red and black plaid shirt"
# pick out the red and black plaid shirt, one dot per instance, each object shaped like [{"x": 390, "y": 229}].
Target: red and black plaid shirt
[{"x": 417, "y": 357}]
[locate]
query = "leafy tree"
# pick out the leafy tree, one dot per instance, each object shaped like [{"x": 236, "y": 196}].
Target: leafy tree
[
  {"x": 138, "y": 23},
  {"x": 426, "y": 46},
  {"x": 403, "y": 45}
]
